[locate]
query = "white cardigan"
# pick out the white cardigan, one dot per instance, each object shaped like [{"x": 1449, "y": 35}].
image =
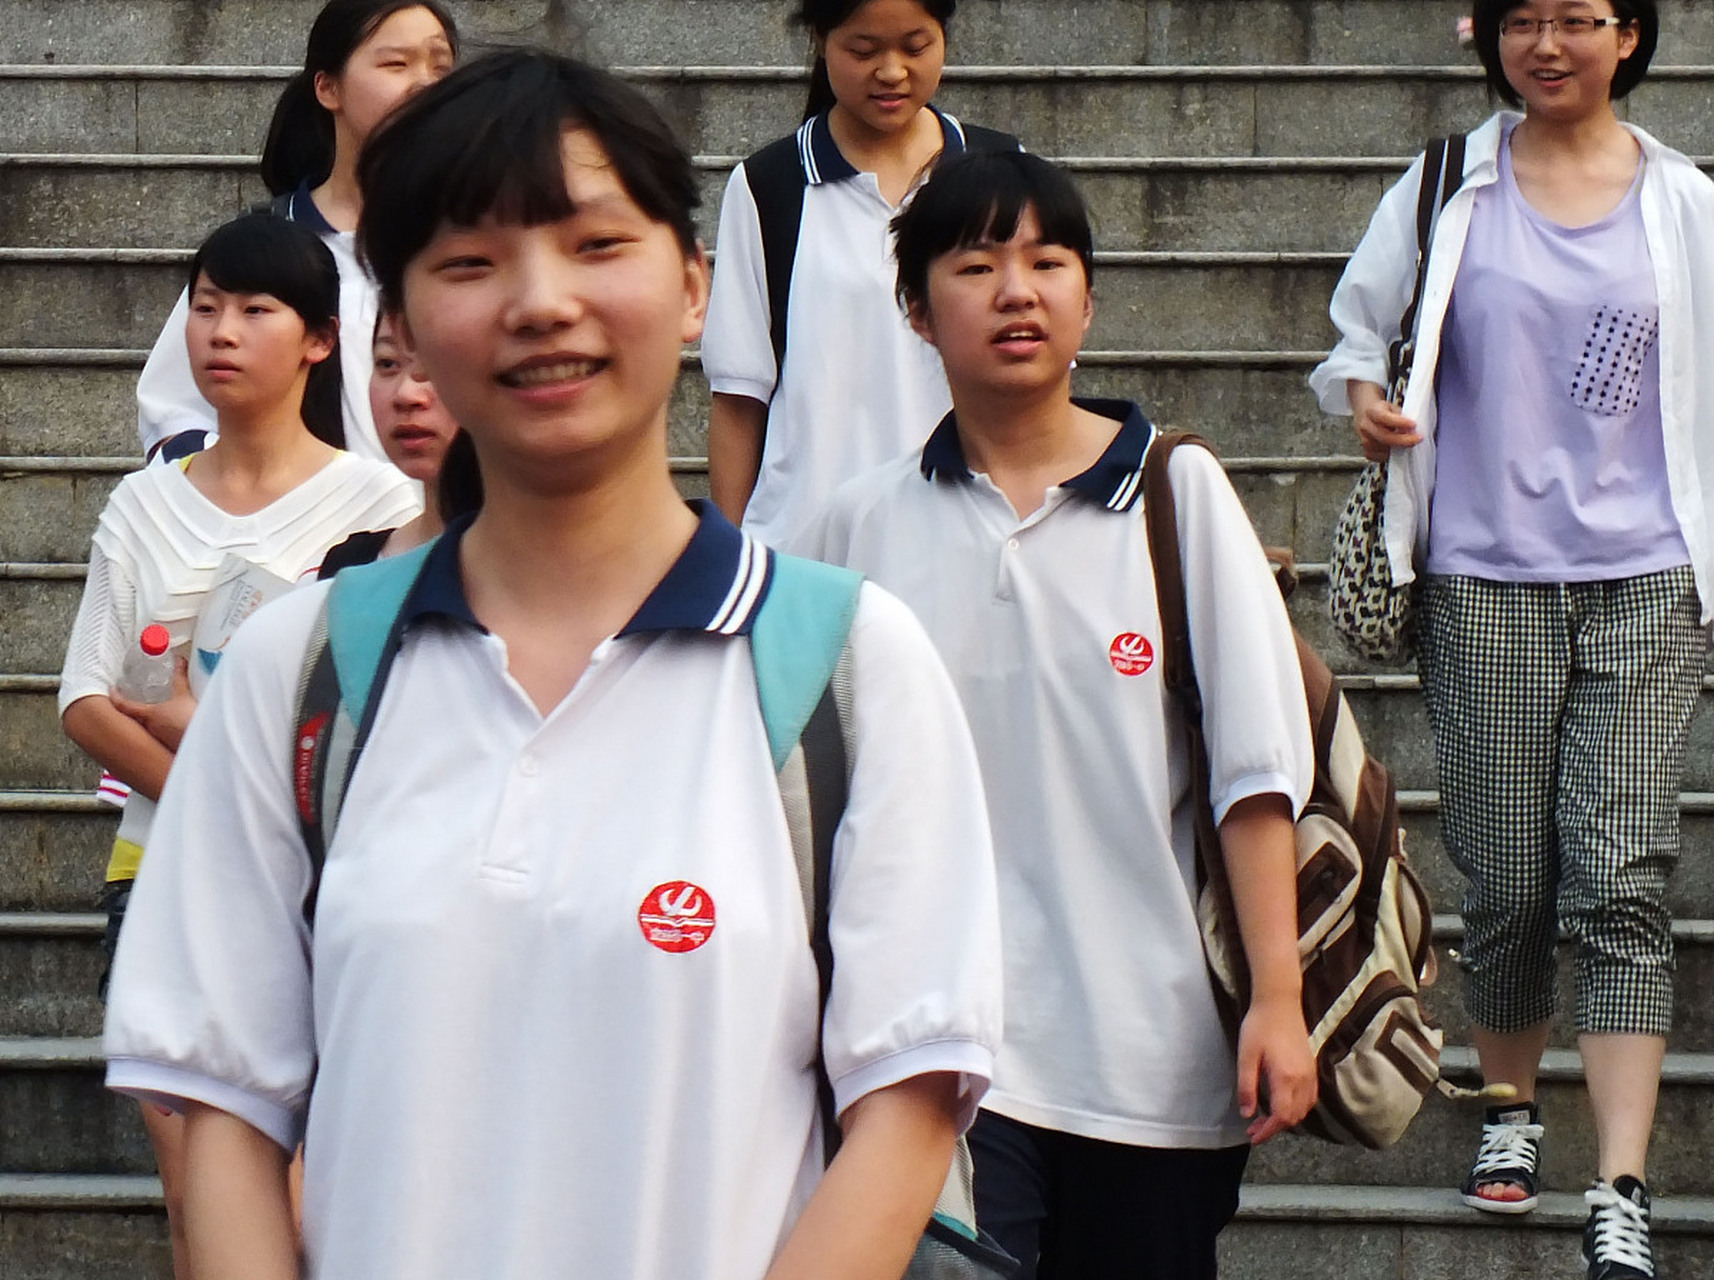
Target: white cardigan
[{"x": 1678, "y": 212}]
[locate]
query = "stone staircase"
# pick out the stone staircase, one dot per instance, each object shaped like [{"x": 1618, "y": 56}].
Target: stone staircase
[{"x": 1233, "y": 151}]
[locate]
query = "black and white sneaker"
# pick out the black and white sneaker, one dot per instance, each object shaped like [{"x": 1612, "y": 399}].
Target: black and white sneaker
[
  {"x": 1510, "y": 1156},
  {"x": 1616, "y": 1238}
]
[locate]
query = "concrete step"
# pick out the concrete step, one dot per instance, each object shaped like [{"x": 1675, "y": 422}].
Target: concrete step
[
  {"x": 54, "y": 846},
  {"x": 48, "y": 507},
  {"x": 83, "y": 1227},
  {"x": 54, "y": 961},
  {"x": 1412, "y": 1233},
  {"x": 44, "y": 599},
  {"x": 57, "y": 1117},
  {"x": 1167, "y": 301},
  {"x": 33, "y": 755},
  {"x": 1250, "y": 403},
  {"x": 755, "y": 31},
  {"x": 1693, "y": 1020},
  {"x": 78, "y": 1227},
  {"x": 1437, "y": 1149},
  {"x": 1292, "y": 203},
  {"x": 1070, "y": 109}
]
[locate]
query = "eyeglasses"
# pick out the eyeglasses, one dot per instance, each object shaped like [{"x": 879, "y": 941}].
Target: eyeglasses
[{"x": 1577, "y": 27}]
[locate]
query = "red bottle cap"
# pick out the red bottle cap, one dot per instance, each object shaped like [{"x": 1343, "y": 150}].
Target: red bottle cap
[{"x": 155, "y": 639}]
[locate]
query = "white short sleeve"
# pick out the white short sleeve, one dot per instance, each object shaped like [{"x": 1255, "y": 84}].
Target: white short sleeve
[
  {"x": 914, "y": 910},
  {"x": 211, "y": 987},
  {"x": 1372, "y": 294},
  {"x": 106, "y": 623},
  {"x": 737, "y": 345},
  {"x": 1241, "y": 641},
  {"x": 167, "y": 399}
]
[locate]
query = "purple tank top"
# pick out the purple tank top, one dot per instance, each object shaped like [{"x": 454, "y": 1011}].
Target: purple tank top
[{"x": 1550, "y": 461}]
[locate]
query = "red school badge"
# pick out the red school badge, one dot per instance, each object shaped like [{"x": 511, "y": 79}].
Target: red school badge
[
  {"x": 676, "y": 916},
  {"x": 1131, "y": 654}
]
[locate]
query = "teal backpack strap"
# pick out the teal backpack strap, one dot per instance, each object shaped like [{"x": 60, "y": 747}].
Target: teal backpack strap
[
  {"x": 797, "y": 638},
  {"x": 345, "y": 668},
  {"x": 799, "y": 645}
]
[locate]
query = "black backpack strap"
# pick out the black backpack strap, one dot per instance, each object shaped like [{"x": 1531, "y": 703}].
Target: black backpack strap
[
  {"x": 1442, "y": 175},
  {"x": 776, "y": 181},
  {"x": 825, "y": 771}
]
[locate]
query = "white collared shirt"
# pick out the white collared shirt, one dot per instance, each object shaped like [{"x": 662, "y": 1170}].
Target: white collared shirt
[
  {"x": 1050, "y": 627},
  {"x": 1678, "y": 208},
  {"x": 511, "y": 1077},
  {"x": 859, "y": 386}
]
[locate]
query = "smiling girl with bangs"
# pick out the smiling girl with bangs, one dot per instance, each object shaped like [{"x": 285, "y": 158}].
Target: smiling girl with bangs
[{"x": 1549, "y": 483}]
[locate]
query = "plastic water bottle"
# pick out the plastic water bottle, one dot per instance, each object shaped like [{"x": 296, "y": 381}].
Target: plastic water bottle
[{"x": 148, "y": 673}]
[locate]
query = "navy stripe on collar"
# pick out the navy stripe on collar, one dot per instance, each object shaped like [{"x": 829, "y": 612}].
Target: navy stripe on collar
[
  {"x": 302, "y": 210},
  {"x": 823, "y": 161},
  {"x": 1115, "y": 480},
  {"x": 717, "y": 584}
]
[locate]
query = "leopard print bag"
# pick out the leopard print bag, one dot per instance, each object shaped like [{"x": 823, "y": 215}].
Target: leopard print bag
[{"x": 1369, "y": 612}]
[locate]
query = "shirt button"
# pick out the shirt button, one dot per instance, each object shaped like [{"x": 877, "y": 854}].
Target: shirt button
[
  {"x": 527, "y": 766},
  {"x": 1012, "y": 544}
]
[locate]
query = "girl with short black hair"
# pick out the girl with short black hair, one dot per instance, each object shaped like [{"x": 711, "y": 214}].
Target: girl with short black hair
[
  {"x": 271, "y": 495},
  {"x": 1549, "y": 484}
]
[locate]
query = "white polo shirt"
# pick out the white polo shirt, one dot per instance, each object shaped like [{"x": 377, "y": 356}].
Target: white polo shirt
[
  {"x": 1051, "y": 630},
  {"x": 517, "y": 1073},
  {"x": 858, "y": 386}
]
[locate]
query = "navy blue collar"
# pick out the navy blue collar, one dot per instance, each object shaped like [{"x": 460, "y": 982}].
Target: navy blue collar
[
  {"x": 301, "y": 209},
  {"x": 717, "y": 584},
  {"x": 823, "y": 161},
  {"x": 1115, "y": 480}
]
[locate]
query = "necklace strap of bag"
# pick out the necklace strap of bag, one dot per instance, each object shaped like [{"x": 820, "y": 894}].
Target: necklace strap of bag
[{"x": 1442, "y": 175}]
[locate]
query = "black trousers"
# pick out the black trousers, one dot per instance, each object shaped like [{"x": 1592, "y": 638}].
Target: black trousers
[{"x": 1072, "y": 1208}]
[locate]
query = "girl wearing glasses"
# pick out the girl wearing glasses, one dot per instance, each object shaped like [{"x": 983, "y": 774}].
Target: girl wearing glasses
[{"x": 1549, "y": 494}]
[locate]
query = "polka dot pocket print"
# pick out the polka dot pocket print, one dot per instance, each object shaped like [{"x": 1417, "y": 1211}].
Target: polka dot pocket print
[{"x": 1608, "y": 377}]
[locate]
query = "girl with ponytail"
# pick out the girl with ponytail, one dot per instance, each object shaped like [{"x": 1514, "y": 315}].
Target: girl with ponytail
[
  {"x": 805, "y": 254},
  {"x": 363, "y": 58}
]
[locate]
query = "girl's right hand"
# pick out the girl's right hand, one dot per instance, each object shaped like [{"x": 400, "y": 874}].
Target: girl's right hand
[{"x": 1381, "y": 428}]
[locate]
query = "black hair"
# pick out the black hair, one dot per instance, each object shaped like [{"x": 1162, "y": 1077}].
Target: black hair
[
  {"x": 299, "y": 147},
  {"x": 981, "y": 196},
  {"x": 458, "y": 488},
  {"x": 1485, "y": 21},
  {"x": 262, "y": 253},
  {"x": 486, "y": 140},
  {"x": 820, "y": 17}
]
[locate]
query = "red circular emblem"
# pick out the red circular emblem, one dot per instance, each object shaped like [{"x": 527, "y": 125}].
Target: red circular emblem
[
  {"x": 676, "y": 916},
  {"x": 1131, "y": 654}
]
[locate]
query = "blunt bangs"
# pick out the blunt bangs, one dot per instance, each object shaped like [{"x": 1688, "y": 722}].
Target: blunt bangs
[
  {"x": 263, "y": 253},
  {"x": 486, "y": 142},
  {"x": 980, "y": 197},
  {"x": 1485, "y": 27}
]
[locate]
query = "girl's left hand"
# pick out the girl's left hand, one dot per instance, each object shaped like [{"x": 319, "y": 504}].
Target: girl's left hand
[
  {"x": 165, "y": 721},
  {"x": 1273, "y": 1047}
]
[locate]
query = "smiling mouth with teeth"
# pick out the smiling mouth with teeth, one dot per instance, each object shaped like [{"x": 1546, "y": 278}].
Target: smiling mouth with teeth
[{"x": 542, "y": 375}]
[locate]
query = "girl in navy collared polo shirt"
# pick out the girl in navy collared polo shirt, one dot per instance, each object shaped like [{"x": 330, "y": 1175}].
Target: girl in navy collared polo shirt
[
  {"x": 363, "y": 57},
  {"x": 840, "y": 384}
]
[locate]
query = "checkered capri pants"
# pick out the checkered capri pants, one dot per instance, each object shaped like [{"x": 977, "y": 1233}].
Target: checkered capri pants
[{"x": 1560, "y": 715}]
